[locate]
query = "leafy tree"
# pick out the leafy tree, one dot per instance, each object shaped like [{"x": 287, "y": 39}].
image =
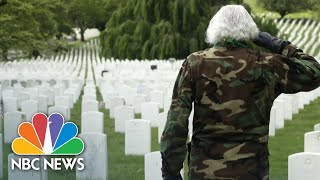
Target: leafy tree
[
  {"x": 315, "y": 6},
  {"x": 27, "y": 27},
  {"x": 60, "y": 10},
  {"x": 284, "y": 7},
  {"x": 86, "y": 14},
  {"x": 3, "y": 2},
  {"x": 16, "y": 26},
  {"x": 149, "y": 29}
]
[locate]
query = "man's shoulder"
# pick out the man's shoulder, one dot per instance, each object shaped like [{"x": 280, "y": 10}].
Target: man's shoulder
[
  {"x": 219, "y": 53},
  {"x": 207, "y": 53}
]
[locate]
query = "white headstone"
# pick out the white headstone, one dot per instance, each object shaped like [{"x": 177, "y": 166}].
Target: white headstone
[
  {"x": 1, "y": 115},
  {"x": 63, "y": 110},
  {"x": 91, "y": 94},
  {"x": 57, "y": 91},
  {"x": 304, "y": 166},
  {"x": 278, "y": 104},
  {"x": 95, "y": 157},
  {"x": 92, "y": 121},
  {"x": 62, "y": 101},
  {"x": 1, "y": 158},
  {"x": 137, "y": 137},
  {"x": 127, "y": 93},
  {"x": 29, "y": 107},
  {"x": 42, "y": 104},
  {"x": 72, "y": 97},
  {"x": 162, "y": 122},
  {"x": 12, "y": 120},
  {"x": 167, "y": 103},
  {"x": 75, "y": 92},
  {"x": 23, "y": 96},
  {"x": 7, "y": 93},
  {"x": 49, "y": 93},
  {"x": 88, "y": 98},
  {"x": 150, "y": 111},
  {"x": 121, "y": 115},
  {"x": 312, "y": 142},
  {"x": 91, "y": 105},
  {"x": 115, "y": 102},
  {"x": 302, "y": 99},
  {"x": 90, "y": 91},
  {"x": 272, "y": 122},
  {"x": 153, "y": 165},
  {"x": 317, "y": 127},
  {"x": 138, "y": 100},
  {"x": 90, "y": 88},
  {"x": 288, "y": 107},
  {"x": 190, "y": 127},
  {"x": 17, "y": 174},
  {"x": 158, "y": 97},
  {"x": 34, "y": 92},
  {"x": 295, "y": 103},
  {"x": 107, "y": 98},
  {"x": 10, "y": 104}
]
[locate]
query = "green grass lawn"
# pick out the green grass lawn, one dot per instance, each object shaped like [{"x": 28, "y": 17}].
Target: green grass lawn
[{"x": 257, "y": 9}]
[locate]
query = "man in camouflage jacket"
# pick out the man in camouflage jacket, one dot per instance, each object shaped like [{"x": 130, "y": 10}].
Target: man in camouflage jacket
[{"x": 232, "y": 88}]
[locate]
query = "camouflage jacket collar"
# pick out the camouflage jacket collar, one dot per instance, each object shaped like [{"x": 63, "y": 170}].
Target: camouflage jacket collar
[{"x": 229, "y": 42}]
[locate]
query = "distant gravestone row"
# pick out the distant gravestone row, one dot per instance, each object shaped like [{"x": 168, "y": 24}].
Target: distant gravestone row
[
  {"x": 27, "y": 91},
  {"x": 92, "y": 133}
]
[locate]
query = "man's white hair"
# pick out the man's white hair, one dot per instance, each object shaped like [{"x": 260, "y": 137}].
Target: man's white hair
[{"x": 231, "y": 21}]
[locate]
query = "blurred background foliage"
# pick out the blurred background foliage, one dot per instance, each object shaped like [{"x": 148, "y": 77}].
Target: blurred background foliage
[
  {"x": 131, "y": 29},
  {"x": 148, "y": 29}
]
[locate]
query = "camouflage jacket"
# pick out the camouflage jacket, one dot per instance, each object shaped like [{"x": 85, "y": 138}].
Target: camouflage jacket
[{"x": 233, "y": 90}]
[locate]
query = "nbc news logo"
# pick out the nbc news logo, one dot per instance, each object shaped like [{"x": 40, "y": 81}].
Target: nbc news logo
[{"x": 47, "y": 136}]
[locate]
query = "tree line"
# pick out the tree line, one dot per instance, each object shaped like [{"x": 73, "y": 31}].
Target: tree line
[
  {"x": 133, "y": 29},
  {"x": 37, "y": 27},
  {"x": 149, "y": 29}
]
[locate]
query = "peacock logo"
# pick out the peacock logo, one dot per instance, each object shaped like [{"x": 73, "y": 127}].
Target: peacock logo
[{"x": 47, "y": 136}]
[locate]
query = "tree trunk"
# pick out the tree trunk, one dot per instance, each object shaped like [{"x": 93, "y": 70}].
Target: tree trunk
[
  {"x": 5, "y": 55},
  {"x": 3, "y": 2},
  {"x": 282, "y": 14},
  {"x": 82, "y": 30}
]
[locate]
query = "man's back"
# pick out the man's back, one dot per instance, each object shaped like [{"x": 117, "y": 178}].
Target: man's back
[
  {"x": 234, "y": 92},
  {"x": 232, "y": 88}
]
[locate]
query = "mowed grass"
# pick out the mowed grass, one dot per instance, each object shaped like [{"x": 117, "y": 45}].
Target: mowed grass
[
  {"x": 290, "y": 140},
  {"x": 286, "y": 142},
  {"x": 123, "y": 167},
  {"x": 258, "y": 9}
]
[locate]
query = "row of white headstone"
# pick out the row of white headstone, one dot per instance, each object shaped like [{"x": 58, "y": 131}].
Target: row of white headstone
[
  {"x": 305, "y": 165},
  {"x": 304, "y": 34},
  {"x": 36, "y": 90},
  {"x": 286, "y": 105},
  {"x": 95, "y": 154}
]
